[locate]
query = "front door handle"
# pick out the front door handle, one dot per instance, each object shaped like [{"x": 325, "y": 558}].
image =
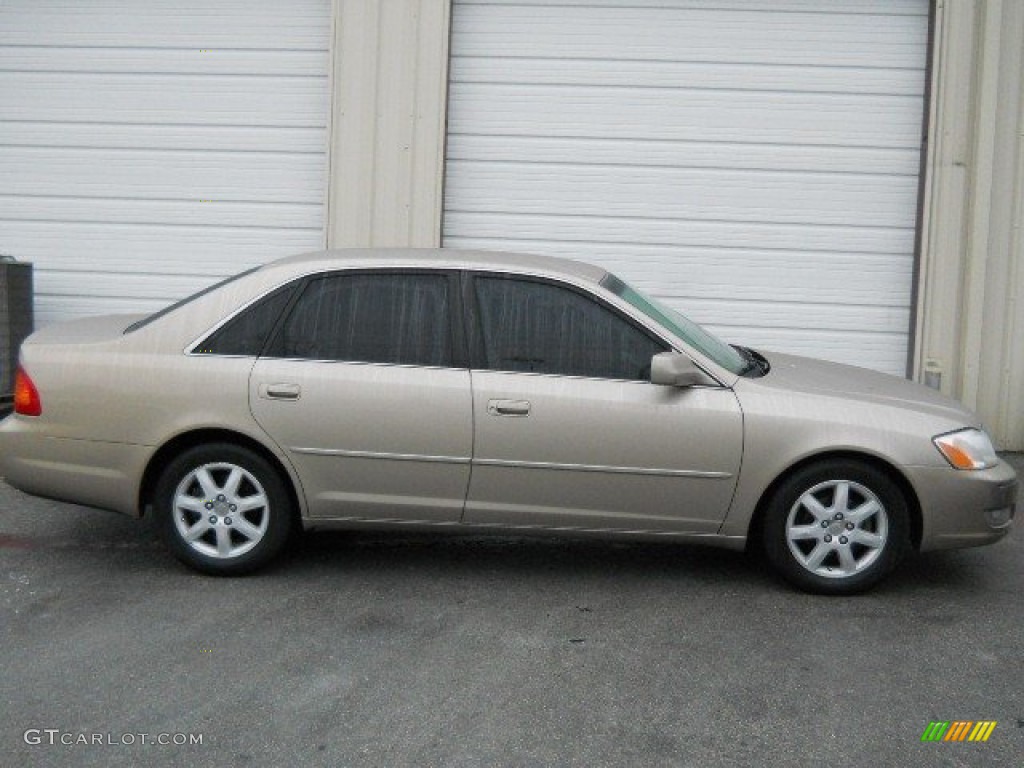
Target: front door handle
[
  {"x": 508, "y": 407},
  {"x": 280, "y": 391}
]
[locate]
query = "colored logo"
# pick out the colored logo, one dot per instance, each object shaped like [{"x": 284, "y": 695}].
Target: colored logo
[{"x": 959, "y": 730}]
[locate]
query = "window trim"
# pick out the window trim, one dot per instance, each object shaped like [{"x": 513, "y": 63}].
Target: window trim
[{"x": 474, "y": 321}]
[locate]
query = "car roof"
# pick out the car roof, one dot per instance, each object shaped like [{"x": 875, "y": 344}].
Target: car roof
[{"x": 441, "y": 258}]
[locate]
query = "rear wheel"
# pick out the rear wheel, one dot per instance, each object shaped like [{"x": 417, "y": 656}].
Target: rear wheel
[
  {"x": 223, "y": 509},
  {"x": 837, "y": 527}
]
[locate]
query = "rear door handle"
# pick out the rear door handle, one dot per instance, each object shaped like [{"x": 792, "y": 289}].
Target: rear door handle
[
  {"x": 508, "y": 407},
  {"x": 280, "y": 391}
]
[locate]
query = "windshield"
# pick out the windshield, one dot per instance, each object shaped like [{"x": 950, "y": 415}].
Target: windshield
[{"x": 730, "y": 358}]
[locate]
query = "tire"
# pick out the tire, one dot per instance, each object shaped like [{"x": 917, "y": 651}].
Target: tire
[
  {"x": 837, "y": 527},
  {"x": 223, "y": 509}
]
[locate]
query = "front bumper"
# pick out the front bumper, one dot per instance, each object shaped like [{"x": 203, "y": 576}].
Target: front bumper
[{"x": 964, "y": 508}]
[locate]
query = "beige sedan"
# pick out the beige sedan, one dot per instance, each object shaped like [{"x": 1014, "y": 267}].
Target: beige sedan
[{"x": 461, "y": 391}]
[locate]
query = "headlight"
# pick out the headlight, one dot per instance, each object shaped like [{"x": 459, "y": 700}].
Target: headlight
[{"x": 967, "y": 449}]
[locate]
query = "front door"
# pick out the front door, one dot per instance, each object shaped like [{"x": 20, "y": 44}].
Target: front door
[{"x": 569, "y": 431}]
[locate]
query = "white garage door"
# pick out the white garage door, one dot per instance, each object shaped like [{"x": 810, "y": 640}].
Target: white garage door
[
  {"x": 149, "y": 148},
  {"x": 753, "y": 163}
]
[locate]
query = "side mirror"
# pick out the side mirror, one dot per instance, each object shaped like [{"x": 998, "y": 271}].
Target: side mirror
[{"x": 673, "y": 369}]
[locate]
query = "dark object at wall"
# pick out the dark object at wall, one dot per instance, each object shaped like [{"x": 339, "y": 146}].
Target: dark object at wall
[{"x": 16, "y": 318}]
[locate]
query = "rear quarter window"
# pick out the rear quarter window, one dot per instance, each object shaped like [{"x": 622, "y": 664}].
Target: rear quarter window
[{"x": 247, "y": 332}]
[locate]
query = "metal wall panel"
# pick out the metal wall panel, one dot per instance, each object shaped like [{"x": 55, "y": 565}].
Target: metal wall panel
[
  {"x": 151, "y": 148},
  {"x": 388, "y": 137},
  {"x": 970, "y": 336},
  {"x": 753, "y": 164}
]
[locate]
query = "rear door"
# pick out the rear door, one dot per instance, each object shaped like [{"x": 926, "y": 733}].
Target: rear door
[
  {"x": 570, "y": 433},
  {"x": 364, "y": 387}
]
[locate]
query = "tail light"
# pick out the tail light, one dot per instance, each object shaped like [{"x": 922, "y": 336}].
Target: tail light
[{"x": 26, "y": 396}]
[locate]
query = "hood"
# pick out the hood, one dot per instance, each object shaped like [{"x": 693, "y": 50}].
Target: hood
[
  {"x": 803, "y": 374},
  {"x": 84, "y": 330}
]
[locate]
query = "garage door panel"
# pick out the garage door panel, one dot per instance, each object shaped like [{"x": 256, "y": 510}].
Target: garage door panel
[
  {"x": 212, "y": 252},
  {"x": 131, "y": 173},
  {"x": 149, "y": 149},
  {"x": 587, "y": 232},
  {"x": 298, "y": 139},
  {"x": 748, "y": 155},
  {"x": 753, "y": 163},
  {"x": 173, "y": 61},
  {"x": 55, "y": 309},
  {"x": 843, "y": 199},
  {"x": 826, "y": 315},
  {"x": 848, "y": 7},
  {"x": 156, "y": 286},
  {"x": 629, "y": 113},
  {"x": 884, "y": 352},
  {"x": 690, "y": 274},
  {"x": 186, "y": 99},
  {"x": 689, "y": 74},
  {"x": 736, "y": 35},
  {"x": 199, "y": 24},
  {"x": 198, "y": 212}
]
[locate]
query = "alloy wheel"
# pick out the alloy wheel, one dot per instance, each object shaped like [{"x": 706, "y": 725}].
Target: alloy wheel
[{"x": 837, "y": 528}]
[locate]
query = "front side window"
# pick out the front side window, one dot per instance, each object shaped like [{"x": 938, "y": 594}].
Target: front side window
[
  {"x": 706, "y": 343},
  {"x": 373, "y": 318},
  {"x": 540, "y": 327}
]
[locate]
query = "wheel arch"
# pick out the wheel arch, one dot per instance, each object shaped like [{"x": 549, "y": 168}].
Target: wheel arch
[
  {"x": 909, "y": 494},
  {"x": 186, "y": 440}
]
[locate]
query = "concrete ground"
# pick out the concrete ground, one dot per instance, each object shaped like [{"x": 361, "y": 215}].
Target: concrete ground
[{"x": 374, "y": 650}]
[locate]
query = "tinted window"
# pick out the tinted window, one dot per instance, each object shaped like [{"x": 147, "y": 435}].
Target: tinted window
[
  {"x": 375, "y": 318},
  {"x": 247, "y": 332},
  {"x": 543, "y": 328}
]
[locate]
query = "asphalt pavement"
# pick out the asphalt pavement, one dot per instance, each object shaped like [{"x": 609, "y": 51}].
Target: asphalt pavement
[{"x": 398, "y": 650}]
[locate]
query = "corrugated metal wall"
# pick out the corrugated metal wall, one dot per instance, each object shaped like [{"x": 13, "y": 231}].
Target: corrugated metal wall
[
  {"x": 754, "y": 164},
  {"x": 148, "y": 148},
  {"x": 971, "y": 302},
  {"x": 387, "y": 150}
]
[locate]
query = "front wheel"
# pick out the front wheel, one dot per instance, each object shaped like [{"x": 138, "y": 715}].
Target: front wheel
[
  {"x": 837, "y": 527},
  {"x": 223, "y": 509}
]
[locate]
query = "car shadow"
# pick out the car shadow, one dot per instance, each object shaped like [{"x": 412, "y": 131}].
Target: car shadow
[
  {"x": 518, "y": 556},
  {"x": 91, "y": 535},
  {"x": 950, "y": 573}
]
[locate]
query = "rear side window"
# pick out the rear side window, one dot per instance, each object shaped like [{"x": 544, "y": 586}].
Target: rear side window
[
  {"x": 540, "y": 327},
  {"x": 247, "y": 332},
  {"x": 375, "y": 318}
]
